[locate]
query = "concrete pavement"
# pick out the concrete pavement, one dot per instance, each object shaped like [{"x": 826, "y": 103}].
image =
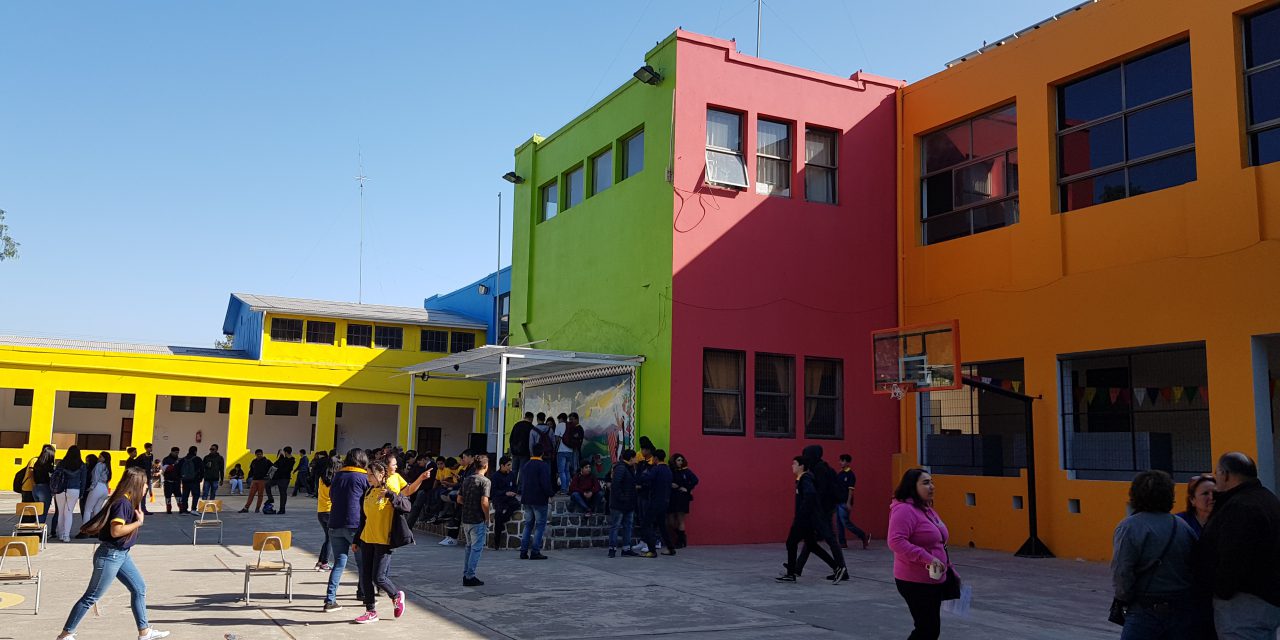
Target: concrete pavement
[{"x": 703, "y": 592}]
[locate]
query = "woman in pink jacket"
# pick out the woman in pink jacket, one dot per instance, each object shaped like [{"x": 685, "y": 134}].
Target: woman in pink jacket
[{"x": 918, "y": 540}]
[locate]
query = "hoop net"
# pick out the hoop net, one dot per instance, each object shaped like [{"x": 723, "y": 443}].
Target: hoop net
[{"x": 897, "y": 392}]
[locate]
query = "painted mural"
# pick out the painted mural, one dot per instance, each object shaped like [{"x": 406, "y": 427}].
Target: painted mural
[{"x": 605, "y": 406}]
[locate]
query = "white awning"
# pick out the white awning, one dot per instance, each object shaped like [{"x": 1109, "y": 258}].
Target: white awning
[{"x": 485, "y": 363}]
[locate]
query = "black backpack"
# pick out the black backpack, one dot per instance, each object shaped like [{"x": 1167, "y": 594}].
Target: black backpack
[
  {"x": 546, "y": 445},
  {"x": 830, "y": 491},
  {"x": 189, "y": 468},
  {"x": 519, "y": 439}
]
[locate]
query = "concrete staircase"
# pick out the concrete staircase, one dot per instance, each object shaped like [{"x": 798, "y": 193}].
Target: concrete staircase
[{"x": 565, "y": 528}]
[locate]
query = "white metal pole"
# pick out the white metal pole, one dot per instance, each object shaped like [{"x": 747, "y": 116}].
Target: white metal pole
[
  {"x": 502, "y": 405},
  {"x": 411, "y": 436}
]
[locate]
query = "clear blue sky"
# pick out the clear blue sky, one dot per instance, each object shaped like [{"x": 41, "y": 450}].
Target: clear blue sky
[{"x": 155, "y": 156}]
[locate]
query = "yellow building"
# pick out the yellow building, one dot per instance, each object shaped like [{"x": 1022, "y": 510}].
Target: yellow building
[
  {"x": 302, "y": 373},
  {"x": 1096, "y": 200}
]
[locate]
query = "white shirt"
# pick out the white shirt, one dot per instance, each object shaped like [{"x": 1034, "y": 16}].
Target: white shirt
[{"x": 560, "y": 429}]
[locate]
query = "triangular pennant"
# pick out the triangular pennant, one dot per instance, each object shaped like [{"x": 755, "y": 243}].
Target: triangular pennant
[
  {"x": 1153, "y": 394},
  {"x": 1191, "y": 393},
  {"x": 1177, "y": 393},
  {"x": 1115, "y": 394},
  {"x": 1017, "y": 386},
  {"x": 1124, "y": 396},
  {"x": 1166, "y": 393},
  {"x": 1089, "y": 393},
  {"x": 1139, "y": 394}
]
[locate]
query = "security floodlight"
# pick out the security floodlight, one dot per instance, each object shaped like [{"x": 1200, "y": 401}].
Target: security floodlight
[
  {"x": 648, "y": 75},
  {"x": 482, "y": 289},
  {"x": 511, "y": 177}
]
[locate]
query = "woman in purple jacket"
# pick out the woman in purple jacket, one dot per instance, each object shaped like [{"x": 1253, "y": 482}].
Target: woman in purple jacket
[{"x": 918, "y": 540}]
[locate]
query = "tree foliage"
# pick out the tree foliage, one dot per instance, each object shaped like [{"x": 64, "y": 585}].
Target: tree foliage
[
  {"x": 8, "y": 247},
  {"x": 227, "y": 342}
]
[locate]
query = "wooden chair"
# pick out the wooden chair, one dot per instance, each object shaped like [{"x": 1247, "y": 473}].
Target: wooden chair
[
  {"x": 23, "y": 547},
  {"x": 31, "y": 510},
  {"x": 270, "y": 541},
  {"x": 210, "y": 518}
]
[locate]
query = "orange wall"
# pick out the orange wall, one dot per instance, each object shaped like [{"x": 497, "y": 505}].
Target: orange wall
[{"x": 1197, "y": 262}]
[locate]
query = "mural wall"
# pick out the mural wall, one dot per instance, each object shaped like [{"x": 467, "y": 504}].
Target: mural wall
[{"x": 605, "y": 406}]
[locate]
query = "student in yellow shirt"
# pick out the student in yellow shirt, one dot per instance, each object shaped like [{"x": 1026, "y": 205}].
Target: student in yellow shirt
[
  {"x": 377, "y": 518},
  {"x": 324, "y": 504}
]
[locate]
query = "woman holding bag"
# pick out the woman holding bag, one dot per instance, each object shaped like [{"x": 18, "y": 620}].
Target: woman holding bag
[
  {"x": 382, "y": 528},
  {"x": 921, "y": 566}
]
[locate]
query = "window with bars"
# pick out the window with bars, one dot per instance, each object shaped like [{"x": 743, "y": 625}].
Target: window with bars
[
  {"x": 435, "y": 341},
  {"x": 723, "y": 392},
  {"x": 1262, "y": 84},
  {"x": 820, "y": 165},
  {"x": 86, "y": 400},
  {"x": 281, "y": 408},
  {"x": 1132, "y": 410},
  {"x": 359, "y": 335},
  {"x": 725, "y": 164},
  {"x": 224, "y": 405},
  {"x": 388, "y": 337},
  {"x": 823, "y": 405},
  {"x": 319, "y": 332},
  {"x": 773, "y": 158},
  {"x": 969, "y": 180},
  {"x": 23, "y": 397},
  {"x": 775, "y": 395},
  {"x": 462, "y": 341},
  {"x": 969, "y": 431},
  {"x": 286, "y": 330},
  {"x": 1127, "y": 130},
  {"x": 187, "y": 404}
]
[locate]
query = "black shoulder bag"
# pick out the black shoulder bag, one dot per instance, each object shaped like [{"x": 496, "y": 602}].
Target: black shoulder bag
[{"x": 1119, "y": 608}]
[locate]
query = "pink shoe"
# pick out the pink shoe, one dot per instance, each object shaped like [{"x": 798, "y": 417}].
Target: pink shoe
[
  {"x": 367, "y": 617},
  {"x": 399, "y": 602}
]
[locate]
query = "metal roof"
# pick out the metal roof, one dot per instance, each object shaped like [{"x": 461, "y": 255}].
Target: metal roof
[
  {"x": 354, "y": 311},
  {"x": 523, "y": 363},
  {"x": 121, "y": 347}
]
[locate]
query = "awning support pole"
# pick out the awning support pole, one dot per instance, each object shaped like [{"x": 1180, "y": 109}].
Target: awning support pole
[
  {"x": 410, "y": 436},
  {"x": 501, "y": 423}
]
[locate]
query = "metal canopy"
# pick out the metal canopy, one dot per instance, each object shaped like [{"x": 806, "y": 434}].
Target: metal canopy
[{"x": 485, "y": 363}]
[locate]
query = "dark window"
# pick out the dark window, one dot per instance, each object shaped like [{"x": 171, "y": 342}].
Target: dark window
[
  {"x": 550, "y": 200},
  {"x": 435, "y": 341},
  {"x": 1127, "y": 130},
  {"x": 823, "y": 404},
  {"x": 773, "y": 158},
  {"x": 127, "y": 401},
  {"x": 13, "y": 439},
  {"x": 820, "y": 165},
  {"x": 282, "y": 408},
  {"x": 968, "y": 431},
  {"x": 723, "y": 392},
  {"x": 388, "y": 337},
  {"x": 313, "y": 409},
  {"x": 575, "y": 187},
  {"x": 775, "y": 395},
  {"x": 1262, "y": 84},
  {"x": 504, "y": 317},
  {"x": 725, "y": 163},
  {"x": 338, "y": 413},
  {"x": 1133, "y": 410},
  {"x": 319, "y": 332},
  {"x": 187, "y": 404},
  {"x": 23, "y": 397},
  {"x": 633, "y": 155},
  {"x": 94, "y": 441},
  {"x": 224, "y": 405},
  {"x": 126, "y": 433},
  {"x": 462, "y": 341},
  {"x": 970, "y": 179},
  {"x": 429, "y": 440},
  {"x": 601, "y": 171},
  {"x": 359, "y": 335},
  {"x": 86, "y": 400},
  {"x": 286, "y": 330}
]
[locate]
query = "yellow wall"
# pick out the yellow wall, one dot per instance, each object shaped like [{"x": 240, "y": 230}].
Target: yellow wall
[
  {"x": 340, "y": 352},
  {"x": 288, "y": 371},
  {"x": 1197, "y": 262}
]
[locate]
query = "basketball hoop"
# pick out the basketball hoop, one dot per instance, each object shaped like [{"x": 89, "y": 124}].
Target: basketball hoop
[{"x": 897, "y": 392}]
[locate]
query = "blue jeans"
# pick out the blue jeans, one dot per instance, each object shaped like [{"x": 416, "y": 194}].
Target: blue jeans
[
  {"x": 476, "y": 535},
  {"x": 624, "y": 520},
  {"x": 534, "y": 517},
  {"x": 110, "y": 565},
  {"x": 1170, "y": 622},
  {"x": 210, "y": 490},
  {"x": 43, "y": 494},
  {"x": 565, "y": 465},
  {"x": 585, "y": 503},
  {"x": 340, "y": 545},
  {"x": 1245, "y": 617},
  {"x": 843, "y": 522}
]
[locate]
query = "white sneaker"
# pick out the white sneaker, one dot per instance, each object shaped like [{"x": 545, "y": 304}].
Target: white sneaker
[
  {"x": 448, "y": 542},
  {"x": 641, "y": 548},
  {"x": 153, "y": 634}
]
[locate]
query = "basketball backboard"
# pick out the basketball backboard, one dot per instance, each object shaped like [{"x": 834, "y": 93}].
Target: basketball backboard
[{"x": 916, "y": 358}]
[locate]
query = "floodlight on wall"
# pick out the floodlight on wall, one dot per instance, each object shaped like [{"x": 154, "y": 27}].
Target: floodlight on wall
[
  {"x": 482, "y": 289},
  {"x": 511, "y": 177},
  {"x": 648, "y": 75}
]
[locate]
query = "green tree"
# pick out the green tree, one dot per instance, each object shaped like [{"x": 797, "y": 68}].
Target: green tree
[
  {"x": 227, "y": 342},
  {"x": 8, "y": 247}
]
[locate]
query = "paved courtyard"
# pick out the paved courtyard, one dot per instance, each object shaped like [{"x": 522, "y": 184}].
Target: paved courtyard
[{"x": 703, "y": 592}]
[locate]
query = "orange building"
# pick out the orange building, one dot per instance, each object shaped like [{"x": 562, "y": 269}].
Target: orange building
[{"x": 1096, "y": 200}]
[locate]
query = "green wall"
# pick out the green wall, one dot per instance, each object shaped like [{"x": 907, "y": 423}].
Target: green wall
[{"x": 597, "y": 277}]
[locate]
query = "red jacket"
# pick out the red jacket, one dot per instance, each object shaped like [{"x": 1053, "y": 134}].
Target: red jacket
[{"x": 584, "y": 484}]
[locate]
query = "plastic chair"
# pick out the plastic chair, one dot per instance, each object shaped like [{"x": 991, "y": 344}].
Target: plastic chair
[
  {"x": 270, "y": 541},
  {"x": 33, "y": 510},
  {"x": 23, "y": 547},
  {"x": 207, "y": 508}
]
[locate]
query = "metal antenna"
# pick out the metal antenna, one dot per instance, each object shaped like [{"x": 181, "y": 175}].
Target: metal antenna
[
  {"x": 361, "y": 178},
  {"x": 758, "y": 4}
]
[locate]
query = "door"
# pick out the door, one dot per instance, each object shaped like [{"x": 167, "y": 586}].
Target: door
[
  {"x": 429, "y": 440},
  {"x": 126, "y": 433}
]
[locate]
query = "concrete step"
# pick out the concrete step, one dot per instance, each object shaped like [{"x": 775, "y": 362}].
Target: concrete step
[{"x": 565, "y": 528}]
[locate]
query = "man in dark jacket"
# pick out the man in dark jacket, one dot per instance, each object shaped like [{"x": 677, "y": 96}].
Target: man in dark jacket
[
  {"x": 284, "y": 471},
  {"x": 830, "y": 495},
  {"x": 346, "y": 493},
  {"x": 505, "y": 502},
  {"x": 1238, "y": 557},
  {"x": 519, "y": 442},
  {"x": 191, "y": 469},
  {"x": 807, "y": 519},
  {"x": 655, "y": 484},
  {"x": 535, "y": 493},
  {"x": 215, "y": 470},
  {"x": 144, "y": 462},
  {"x": 622, "y": 503},
  {"x": 304, "y": 473},
  {"x": 258, "y": 470},
  {"x": 172, "y": 479}
]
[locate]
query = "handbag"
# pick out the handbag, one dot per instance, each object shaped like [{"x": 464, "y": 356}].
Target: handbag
[
  {"x": 951, "y": 586},
  {"x": 1120, "y": 608}
]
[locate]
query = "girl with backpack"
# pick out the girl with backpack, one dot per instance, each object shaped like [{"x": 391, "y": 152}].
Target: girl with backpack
[
  {"x": 99, "y": 477},
  {"x": 66, "y": 482},
  {"x": 41, "y": 473},
  {"x": 324, "y": 504},
  {"x": 378, "y": 512},
  {"x": 117, "y": 528}
]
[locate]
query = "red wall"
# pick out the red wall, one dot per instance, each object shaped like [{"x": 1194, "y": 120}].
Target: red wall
[{"x": 781, "y": 275}]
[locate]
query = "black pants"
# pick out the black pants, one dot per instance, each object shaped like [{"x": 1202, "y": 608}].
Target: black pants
[
  {"x": 375, "y": 573},
  {"x": 323, "y": 517},
  {"x": 283, "y": 486},
  {"x": 809, "y": 536},
  {"x": 303, "y": 482},
  {"x": 172, "y": 490},
  {"x": 653, "y": 525},
  {"x": 190, "y": 497},
  {"x": 502, "y": 512},
  {"x": 924, "y": 601},
  {"x": 822, "y": 531}
]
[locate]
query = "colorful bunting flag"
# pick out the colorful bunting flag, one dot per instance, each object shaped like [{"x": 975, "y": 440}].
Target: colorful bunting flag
[
  {"x": 1153, "y": 394},
  {"x": 1139, "y": 395},
  {"x": 1017, "y": 386},
  {"x": 1191, "y": 394},
  {"x": 1089, "y": 393},
  {"x": 1177, "y": 394},
  {"x": 1166, "y": 393},
  {"x": 1115, "y": 394}
]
